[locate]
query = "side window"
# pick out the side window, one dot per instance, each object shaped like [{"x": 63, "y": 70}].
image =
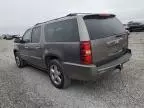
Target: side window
[
  {"x": 27, "y": 36},
  {"x": 36, "y": 32},
  {"x": 63, "y": 31},
  {"x": 49, "y": 31}
]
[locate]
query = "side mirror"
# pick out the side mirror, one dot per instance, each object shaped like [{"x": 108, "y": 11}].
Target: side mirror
[
  {"x": 26, "y": 41},
  {"x": 18, "y": 40}
]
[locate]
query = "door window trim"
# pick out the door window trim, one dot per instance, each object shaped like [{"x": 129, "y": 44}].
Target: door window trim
[
  {"x": 52, "y": 22},
  {"x": 40, "y": 35},
  {"x": 30, "y": 34}
]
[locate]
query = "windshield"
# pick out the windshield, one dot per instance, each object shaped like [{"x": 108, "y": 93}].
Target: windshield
[{"x": 103, "y": 27}]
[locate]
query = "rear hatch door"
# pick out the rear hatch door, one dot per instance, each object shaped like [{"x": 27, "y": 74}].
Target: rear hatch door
[{"x": 108, "y": 37}]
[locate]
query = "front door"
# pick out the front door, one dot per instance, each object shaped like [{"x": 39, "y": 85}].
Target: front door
[
  {"x": 35, "y": 47},
  {"x": 24, "y": 49}
]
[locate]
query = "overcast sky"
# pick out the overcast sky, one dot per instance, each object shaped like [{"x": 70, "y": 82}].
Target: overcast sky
[{"x": 18, "y": 15}]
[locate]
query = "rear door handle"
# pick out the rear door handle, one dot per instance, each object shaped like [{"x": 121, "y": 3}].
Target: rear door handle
[
  {"x": 26, "y": 46},
  {"x": 119, "y": 36},
  {"x": 37, "y": 47}
]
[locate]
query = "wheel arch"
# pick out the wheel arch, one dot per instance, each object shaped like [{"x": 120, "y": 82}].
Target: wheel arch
[{"x": 50, "y": 57}]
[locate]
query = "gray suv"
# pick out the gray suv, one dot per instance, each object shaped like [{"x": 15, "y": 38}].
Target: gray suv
[{"x": 77, "y": 46}]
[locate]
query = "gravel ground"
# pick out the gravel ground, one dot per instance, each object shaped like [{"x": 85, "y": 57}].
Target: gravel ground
[{"x": 31, "y": 88}]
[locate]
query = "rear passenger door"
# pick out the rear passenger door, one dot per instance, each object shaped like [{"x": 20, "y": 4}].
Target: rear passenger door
[
  {"x": 35, "y": 47},
  {"x": 62, "y": 38}
]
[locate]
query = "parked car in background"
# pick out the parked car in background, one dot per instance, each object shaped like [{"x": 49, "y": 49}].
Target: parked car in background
[
  {"x": 9, "y": 37},
  {"x": 77, "y": 46},
  {"x": 15, "y": 36},
  {"x": 3, "y": 36},
  {"x": 135, "y": 26},
  {"x": 126, "y": 26}
]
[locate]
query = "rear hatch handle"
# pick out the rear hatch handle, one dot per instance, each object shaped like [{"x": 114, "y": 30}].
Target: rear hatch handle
[{"x": 119, "y": 35}]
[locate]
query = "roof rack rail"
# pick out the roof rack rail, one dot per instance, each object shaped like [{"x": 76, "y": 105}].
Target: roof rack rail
[
  {"x": 71, "y": 14},
  {"x": 50, "y": 20},
  {"x": 74, "y": 14},
  {"x": 39, "y": 23}
]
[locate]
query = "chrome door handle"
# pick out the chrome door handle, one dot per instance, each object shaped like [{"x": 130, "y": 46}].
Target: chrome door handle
[{"x": 37, "y": 47}]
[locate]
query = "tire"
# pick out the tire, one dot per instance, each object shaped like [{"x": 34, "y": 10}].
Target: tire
[
  {"x": 57, "y": 76},
  {"x": 20, "y": 63}
]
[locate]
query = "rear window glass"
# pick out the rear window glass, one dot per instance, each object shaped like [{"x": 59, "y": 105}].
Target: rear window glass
[
  {"x": 103, "y": 27},
  {"x": 63, "y": 31}
]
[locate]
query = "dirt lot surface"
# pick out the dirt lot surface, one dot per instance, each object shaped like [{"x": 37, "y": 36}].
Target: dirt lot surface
[{"x": 31, "y": 88}]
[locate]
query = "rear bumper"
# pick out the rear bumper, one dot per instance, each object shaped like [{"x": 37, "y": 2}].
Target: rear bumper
[{"x": 90, "y": 72}]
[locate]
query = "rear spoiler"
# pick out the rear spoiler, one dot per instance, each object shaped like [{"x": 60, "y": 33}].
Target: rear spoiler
[{"x": 99, "y": 16}]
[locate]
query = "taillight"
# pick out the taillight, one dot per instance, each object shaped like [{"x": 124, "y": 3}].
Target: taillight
[{"x": 85, "y": 52}]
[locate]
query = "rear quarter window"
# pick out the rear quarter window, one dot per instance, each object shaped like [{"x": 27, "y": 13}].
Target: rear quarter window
[
  {"x": 63, "y": 31},
  {"x": 103, "y": 27}
]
